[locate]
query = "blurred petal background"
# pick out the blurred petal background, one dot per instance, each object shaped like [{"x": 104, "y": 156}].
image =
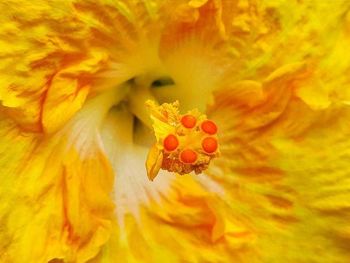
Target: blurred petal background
[{"x": 74, "y": 130}]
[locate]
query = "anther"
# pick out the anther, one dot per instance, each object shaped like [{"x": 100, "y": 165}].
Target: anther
[
  {"x": 209, "y": 144},
  {"x": 188, "y": 121},
  {"x": 188, "y": 156},
  {"x": 209, "y": 127},
  {"x": 171, "y": 142}
]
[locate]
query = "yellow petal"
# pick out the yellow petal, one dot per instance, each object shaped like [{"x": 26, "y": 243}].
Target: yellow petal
[
  {"x": 59, "y": 199},
  {"x": 56, "y": 114},
  {"x": 272, "y": 158},
  {"x": 154, "y": 162}
]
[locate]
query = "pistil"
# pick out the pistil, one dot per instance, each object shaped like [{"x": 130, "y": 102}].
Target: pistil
[{"x": 185, "y": 143}]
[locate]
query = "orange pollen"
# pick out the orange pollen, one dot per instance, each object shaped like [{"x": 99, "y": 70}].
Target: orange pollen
[
  {"x": 188, "y": 156},
  {"x": 209, "y": 127},
  {"x": 171, "y": 142},
  {"x": 188, "y": 121},
  {"x": 209, "y": 144}
]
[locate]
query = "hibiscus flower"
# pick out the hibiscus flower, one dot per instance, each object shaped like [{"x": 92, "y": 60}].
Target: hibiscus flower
[{"x": 92, "y": 98}]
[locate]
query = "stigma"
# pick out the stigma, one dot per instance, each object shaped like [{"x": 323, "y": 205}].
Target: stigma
[{"x": 185, "y": 143}]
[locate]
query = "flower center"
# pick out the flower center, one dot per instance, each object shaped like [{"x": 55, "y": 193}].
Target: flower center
[{"x": 118, "y": 122}]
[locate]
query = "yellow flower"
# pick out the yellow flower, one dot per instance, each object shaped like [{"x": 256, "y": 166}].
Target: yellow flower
[{"x": 75, "y": 132}]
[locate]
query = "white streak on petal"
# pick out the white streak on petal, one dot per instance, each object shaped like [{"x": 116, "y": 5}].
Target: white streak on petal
[
  {"x": 210, "y": 184},
  {"x": 132, "y": 187}
]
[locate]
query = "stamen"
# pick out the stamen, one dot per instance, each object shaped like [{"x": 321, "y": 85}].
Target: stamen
[
  {"x": 209, "y": 127},
  {"x": 171, "y": 142},
  {"x": 188, "y": 156},
  {"x": 188, "y": 121},
  {"x": 209, "y": 144},
  {"x": 181, "y": 146}
]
